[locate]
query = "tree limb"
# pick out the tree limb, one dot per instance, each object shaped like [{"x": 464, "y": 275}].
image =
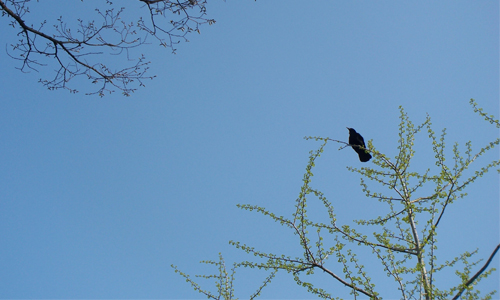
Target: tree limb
[
  {"x": 345, "y": 282},
  {"x": 470, "y": 281},
  {"x": 72, "y": 53}
]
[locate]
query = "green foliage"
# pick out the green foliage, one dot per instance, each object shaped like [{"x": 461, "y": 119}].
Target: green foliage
[
  {"x": 223, "y": 281},
  {"x": 490, "y": 118},
  {"x": 403, "y": 239}
]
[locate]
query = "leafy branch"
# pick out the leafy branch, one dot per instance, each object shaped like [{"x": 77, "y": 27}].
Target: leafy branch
[{"x": 399, "y": 237}]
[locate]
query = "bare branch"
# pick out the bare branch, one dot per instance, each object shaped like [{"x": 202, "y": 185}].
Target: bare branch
[{"x": 74, "y": 54}]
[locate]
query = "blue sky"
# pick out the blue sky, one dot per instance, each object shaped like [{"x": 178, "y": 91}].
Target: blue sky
[{"x": 101, "y": 195}]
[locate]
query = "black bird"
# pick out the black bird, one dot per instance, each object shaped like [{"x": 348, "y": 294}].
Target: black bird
[{"x": 356, "y": 140}]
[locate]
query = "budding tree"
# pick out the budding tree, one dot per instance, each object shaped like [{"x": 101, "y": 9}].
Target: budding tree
[
  {"x": 82, "y": 48},
  {"x": 403, "y": 239}
]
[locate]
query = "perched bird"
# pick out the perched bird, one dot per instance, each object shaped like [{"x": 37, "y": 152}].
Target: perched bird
[{"x": 356, "y": 140}]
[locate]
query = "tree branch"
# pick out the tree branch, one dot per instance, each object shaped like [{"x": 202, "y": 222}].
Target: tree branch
[
  {"x": 116, "y": 35},
  {"x": 470, "y": 281},
  {"x": 345, "y": 282}
]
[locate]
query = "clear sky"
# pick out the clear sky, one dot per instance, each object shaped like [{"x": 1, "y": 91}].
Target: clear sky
[{"x": 99, "y": 196}]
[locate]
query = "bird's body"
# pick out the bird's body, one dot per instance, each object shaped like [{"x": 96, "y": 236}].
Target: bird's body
[{"x": 356, "y": 140}]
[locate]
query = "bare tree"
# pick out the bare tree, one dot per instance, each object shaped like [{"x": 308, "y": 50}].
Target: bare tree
[{"x": 81, "y": 49}]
